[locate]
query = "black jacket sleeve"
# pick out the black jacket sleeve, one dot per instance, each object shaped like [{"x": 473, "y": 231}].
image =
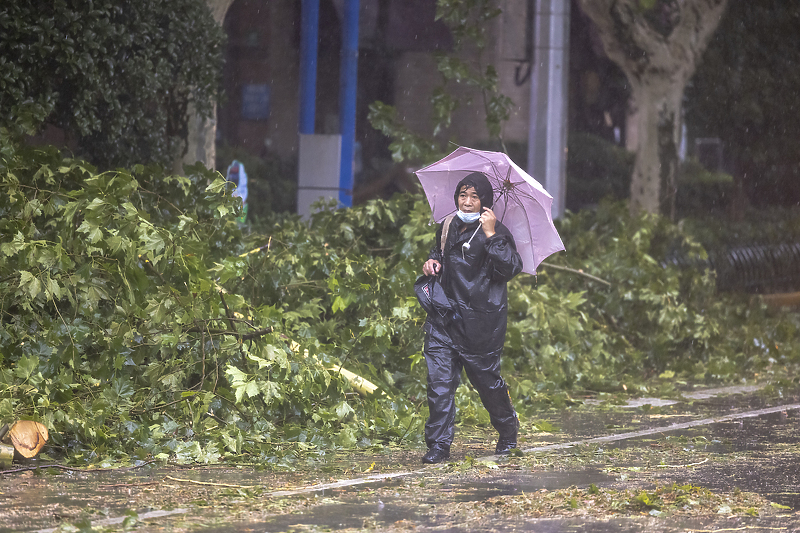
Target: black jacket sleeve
[{"x": 505, "y": 260}]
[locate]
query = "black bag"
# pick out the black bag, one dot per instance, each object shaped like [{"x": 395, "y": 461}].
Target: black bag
[
  {"x": 433, "y": 299},
  {"x": 430, "y": 292}
]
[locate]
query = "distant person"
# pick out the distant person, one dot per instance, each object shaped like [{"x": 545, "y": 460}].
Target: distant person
[
  {"x": 473, "y": 267},
  {"x": 237, "y": 175}
]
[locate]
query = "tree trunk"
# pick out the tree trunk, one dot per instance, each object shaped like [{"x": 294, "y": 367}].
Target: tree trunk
[
  {"x": 653, "y": 184},
  {"x": 658, "y": 49},
  {"x": 201, "y": 141},
  {"x": 632, "y": 126}
]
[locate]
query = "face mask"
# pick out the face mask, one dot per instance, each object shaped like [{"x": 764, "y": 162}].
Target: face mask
[{"x": 468, "y": 217}]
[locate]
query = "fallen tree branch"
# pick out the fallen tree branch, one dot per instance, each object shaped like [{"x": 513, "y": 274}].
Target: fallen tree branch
[
  {"x": 227, "y": 310},
  {"x": 211, "y": 484},
  {"x": 74, "y": 468},
  {"x": 266, "y": 246},
  {"x": 684, "y": 466},
  {"x": 573, "y": 271},
  {"x": 117, "y": 485}
]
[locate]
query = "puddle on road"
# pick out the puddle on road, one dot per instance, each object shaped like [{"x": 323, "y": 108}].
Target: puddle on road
[
  {"x": 518, "y": 483},
  {"x": 42, "y": 499},
  {"x": 414, "y": 501}
]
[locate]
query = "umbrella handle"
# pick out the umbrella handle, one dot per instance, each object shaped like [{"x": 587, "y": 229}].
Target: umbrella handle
[{"x": 465, "y": 247}]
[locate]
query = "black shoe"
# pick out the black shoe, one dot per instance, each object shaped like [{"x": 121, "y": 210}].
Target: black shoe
[
  {"x": 507, "y": 440},
  {"x": 504, "y": 447},
  {"x": 437, "y": 454}
]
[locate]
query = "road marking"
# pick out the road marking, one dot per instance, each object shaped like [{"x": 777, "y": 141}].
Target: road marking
[
  {"x": 662, "y": 429},
  {"x": 338, "y": 484}
]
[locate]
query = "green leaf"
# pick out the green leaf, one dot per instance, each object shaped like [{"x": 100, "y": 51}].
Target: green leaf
[
  {"x": 151, "y": 240},
  {"x": 29, "y": 283},
  {"x": 11, "y": 248},
  {"x": 25, "y": 367},
  {"x": 343, "y": 410},
  {"x": 52, "y": 289},
  {"x": 92, "y": 231},
  {"x": 217, "y": 186},
  {"x": 250, "y": 388},
  {"x": 270, "y": 391}
]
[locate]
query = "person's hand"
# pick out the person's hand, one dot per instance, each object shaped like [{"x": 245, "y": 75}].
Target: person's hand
[
  {"x": 431, "y": 267},
  {"x": 488, "y": 220}
]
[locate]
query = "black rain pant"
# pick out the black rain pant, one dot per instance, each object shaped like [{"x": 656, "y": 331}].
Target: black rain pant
[{"x": 444, "y": 375}]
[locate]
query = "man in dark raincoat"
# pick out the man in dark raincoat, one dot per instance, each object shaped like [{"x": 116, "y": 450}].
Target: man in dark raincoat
[{"x": 473, "y": 268}]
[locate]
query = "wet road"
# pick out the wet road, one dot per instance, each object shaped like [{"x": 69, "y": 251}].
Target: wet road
[{"x": 714, "y": 451}]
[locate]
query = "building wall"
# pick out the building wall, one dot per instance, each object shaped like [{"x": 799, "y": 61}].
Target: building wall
[
  {"x": 512, "y": 41},
  {"x": 284, "y": 75},
  {"x": 262, "y": 52},
  {"x": 417, "y": 76}
]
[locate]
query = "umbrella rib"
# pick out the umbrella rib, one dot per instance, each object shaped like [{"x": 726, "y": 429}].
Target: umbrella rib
[{"x": 526, "y": 215}]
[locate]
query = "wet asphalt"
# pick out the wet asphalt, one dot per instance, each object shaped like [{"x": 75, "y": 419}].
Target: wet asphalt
[{"x": 725, "y": 440}]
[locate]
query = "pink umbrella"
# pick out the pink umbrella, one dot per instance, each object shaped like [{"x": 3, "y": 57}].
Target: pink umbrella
[{"x": 520, "y": 202}]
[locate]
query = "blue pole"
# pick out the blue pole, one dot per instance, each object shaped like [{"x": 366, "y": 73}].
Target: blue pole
[
  {"x": 309, "y": 30},
  {"x": 347, "y": 99}
]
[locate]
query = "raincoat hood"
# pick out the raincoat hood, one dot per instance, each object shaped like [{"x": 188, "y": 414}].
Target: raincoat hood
[{"x": 481, "y": 184}]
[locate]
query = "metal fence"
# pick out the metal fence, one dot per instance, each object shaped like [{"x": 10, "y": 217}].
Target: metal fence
[
  {"x": 758, "y": 269},
  {"x": 754, "y": 269}
]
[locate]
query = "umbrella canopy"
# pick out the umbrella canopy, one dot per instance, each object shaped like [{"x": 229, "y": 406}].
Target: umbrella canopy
[{"x": 520, "y": 202}]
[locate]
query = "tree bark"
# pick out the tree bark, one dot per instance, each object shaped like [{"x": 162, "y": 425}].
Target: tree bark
[
  {"x": 201, "y": 140},
  {"x": 658, "y": 48},
  {"x": 653, "y": 184}
]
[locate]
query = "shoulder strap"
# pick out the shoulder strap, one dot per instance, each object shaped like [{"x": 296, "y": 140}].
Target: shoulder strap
[{"x": 445, "y": 230}]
